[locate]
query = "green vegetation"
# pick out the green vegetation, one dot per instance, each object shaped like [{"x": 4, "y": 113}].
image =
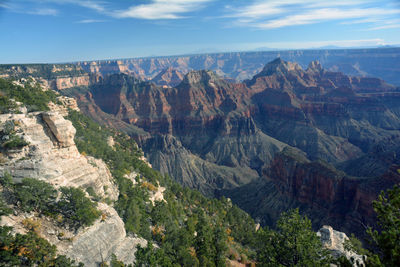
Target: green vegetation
[
  {"x": 28, "y": 250},
  {"x": 293, "y": 244},
  {"x": 9, "y": 138},
  {"x": 387, "y": 239},
  {"x": 34, "y": 195},
  {"x": 45, "y": 71},
  {"x": 6, "y": 104},
  {"x": 38, "y": 196},
  {"x": 4, "y": 209},
  {"x": 14, "y": 141},
  {"x": 93, "y": 194},
  {"x": 76, "y": 208},
  {"x": 32, "y": 96},
  {"x": 354, "y": 244}
]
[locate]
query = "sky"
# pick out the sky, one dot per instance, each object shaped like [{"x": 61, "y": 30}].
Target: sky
[{"x": 50, "y": 31}]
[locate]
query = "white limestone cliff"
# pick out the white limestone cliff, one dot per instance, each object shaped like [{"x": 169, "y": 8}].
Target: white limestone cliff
[{"x": 51, "y": 155}]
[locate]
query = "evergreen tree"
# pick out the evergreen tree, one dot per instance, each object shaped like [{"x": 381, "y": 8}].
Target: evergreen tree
[
  {"x": 204, "y": 241},
  {"x": 293, "y": 244},
  {"x": 34, "y": 195},
  {"x": 220, "y": 240},
  {"x": 387, "y": 239}
]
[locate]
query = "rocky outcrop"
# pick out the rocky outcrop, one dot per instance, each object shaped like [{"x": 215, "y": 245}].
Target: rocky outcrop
[
  {"x": 61, "y": 83},
  {"x": 91, "y": 245},
  {"x": 97, "y": 243},
  {"x": 334, "y": 241},
  {"x": 62, "y": 129},
  {"x": 65, "y": 103},
  {"x": 51, "y": 154}
]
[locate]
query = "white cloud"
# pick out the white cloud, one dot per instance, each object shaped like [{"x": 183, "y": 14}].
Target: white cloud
[
  {"x": 325, "y": 14},
  {"x": 96, "y": 5},
  {"x": 4, "y": 5},
  {"x": 86, "y": 21},
  {"x": 390, "y": 26},
  {"x": 270, "y": 14},
  {"x": 43, "y": 12},
  {"x": 153, "y": 10},
  {"x": 161, "y": 9}
]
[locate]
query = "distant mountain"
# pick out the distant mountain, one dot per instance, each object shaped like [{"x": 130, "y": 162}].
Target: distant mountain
[
  {"x": 168, "y": 77},
  {"x": 383, "y": 63}
]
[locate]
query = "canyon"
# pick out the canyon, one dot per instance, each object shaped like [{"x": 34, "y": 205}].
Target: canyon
[
  {"x": 288, "y": 137},
  {"x": 320, "y": 135}
]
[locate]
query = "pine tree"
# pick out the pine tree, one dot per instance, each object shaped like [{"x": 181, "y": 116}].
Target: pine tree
[
  {"x": 293, "y": 244},
  {"x": 387, "y": 239}
]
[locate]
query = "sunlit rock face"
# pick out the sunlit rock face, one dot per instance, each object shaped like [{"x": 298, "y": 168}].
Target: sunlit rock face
[{"x": 51, "y": 154}]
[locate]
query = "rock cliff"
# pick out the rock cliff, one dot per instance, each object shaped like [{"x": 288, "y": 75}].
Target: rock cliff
[
  {"x": 334, "y": 241},
  {"x": 61, "y": 83},
  {"x": 50, "y": 154},
  {"x": 324, "y": 193}
]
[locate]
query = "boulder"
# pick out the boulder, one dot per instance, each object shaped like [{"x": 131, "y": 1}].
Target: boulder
[{"x": 334, "y": 241}]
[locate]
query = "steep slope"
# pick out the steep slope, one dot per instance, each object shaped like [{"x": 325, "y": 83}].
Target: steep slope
[{"x": 202, "y": 105}]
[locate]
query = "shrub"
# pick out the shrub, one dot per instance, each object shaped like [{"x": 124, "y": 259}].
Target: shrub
[
  {"x": 35, "y": 195},
  {"x": 76, "y": 208},
  {"x": 28, "y": 250},
  {"x": 14, "y": 141},
  {"x": 93, "y": 194},
  {"x": 32, "y": 96}
]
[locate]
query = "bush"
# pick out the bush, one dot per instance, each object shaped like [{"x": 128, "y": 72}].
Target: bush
[
  {"x": 76, "y": 208},
  {"x": 93, "y": 194},
  {"x": 28, "y": 250},
  {"x": 35, "y": 195},
  {"x": 4, "y": 209},
  {"x": 14, "y": 141},
  {"x": 32, "y": 96}
]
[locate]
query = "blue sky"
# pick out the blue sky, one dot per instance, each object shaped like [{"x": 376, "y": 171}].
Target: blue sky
[{"x": 73, "y": 30}]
